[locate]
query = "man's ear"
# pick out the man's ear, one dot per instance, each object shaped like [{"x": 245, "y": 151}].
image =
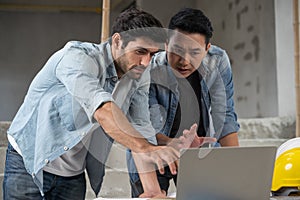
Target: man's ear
[
  {"x": 166, "y": 46},
  {"x": 116, "y": 41},
  {"x": 207, "y": 47}
]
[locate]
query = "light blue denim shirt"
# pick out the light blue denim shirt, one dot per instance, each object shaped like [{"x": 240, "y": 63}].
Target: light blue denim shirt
[
  {"x": 217, "y": 102},
  {"x": 217, "y": 90},
  {"x": 58, "y": 109}
]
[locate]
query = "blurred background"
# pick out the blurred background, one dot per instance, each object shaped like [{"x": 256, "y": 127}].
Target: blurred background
[{"x": 257, "y": 35}]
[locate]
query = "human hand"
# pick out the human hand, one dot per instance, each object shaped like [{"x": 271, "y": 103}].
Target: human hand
[
  {"x": 159, "y": 156},
  {"x": 190, "y": 139},
  {"x": 176, "y": 143},
  {"x": 161, "y": 195}
]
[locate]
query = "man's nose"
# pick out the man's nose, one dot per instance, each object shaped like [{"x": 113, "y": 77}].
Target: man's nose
[
  {"x": 145, "y": 60},
  {"x": 184, "y": 59}
]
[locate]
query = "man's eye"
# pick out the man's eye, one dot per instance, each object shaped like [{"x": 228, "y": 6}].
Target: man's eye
[
  {"x": 194, "y": 53},
  {"x": 140, "y": 51},
  {"x": 178, "y": 51}
]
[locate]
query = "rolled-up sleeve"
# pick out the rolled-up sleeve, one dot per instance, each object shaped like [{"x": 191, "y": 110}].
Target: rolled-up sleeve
[{"x": 80, "y": 73}]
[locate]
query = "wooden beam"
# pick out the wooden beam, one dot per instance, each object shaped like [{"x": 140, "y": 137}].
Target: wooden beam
[{"x": 105, "y": 20}]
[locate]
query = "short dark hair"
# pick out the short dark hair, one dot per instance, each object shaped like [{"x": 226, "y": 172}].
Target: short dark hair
[
  {"x": 192, "y": 21},
  {"x": 133, "y": 23}
]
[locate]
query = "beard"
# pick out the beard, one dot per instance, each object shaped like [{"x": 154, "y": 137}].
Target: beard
[
  {"x": 136, "y": 72},
  {"x": 133, "y": 72}
]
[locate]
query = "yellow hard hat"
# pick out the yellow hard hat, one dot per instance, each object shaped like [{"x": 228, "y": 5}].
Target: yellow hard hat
[{"x": 286, "y": 175}]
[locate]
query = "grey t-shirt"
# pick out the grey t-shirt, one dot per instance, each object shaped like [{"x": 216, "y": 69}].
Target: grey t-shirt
[{"x": 71, "y": 163}]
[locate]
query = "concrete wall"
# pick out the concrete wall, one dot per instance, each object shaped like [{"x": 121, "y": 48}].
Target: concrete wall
[
  {"x": 30, "y": 34},
  {"x": 27, "y": 40},
  {"x": 246, "y": 29},
  {"x": 163, "y": 10},
  {"x": 258, "y": 37}
]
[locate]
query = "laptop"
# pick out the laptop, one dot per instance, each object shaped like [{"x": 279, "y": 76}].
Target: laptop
[{"x": 227, "y": 173}]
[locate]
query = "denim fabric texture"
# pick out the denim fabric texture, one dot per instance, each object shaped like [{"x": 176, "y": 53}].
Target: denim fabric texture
[
  {"x": 217, "y": 102},
  {"x": 58, "y": 108},
  {"x": 19, "y": 185}
]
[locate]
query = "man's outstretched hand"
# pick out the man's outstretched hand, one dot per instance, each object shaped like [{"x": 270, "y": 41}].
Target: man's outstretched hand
[
  {"x": 159, "y": 156},
  {"x": 190, "y": 139}
]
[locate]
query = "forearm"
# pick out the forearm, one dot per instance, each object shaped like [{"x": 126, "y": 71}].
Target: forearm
[
  {"x": 229, "y": 140},
  {"x": 148, "y": 177},
  {"x": 116, "y": 125},
  {"x": 150, "y": 184}
]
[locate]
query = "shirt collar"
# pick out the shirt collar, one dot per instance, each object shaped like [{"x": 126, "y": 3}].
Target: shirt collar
[{"x": 110, "y": 69}]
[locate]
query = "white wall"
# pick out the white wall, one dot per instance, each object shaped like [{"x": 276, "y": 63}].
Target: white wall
[{"x": 285, "y": 57}]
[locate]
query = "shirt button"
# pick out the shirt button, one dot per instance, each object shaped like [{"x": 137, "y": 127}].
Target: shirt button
[
  {"x": 33, "y": 175},
  {"x": 83, "y": 134},
  {"x": 114, "y": 79},
  {"x": 46, "y": 161},
  {"x": 66, "y": 148}
]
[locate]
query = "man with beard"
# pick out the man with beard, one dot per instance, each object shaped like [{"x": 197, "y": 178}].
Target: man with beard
[{"x": 85, "y": 95}]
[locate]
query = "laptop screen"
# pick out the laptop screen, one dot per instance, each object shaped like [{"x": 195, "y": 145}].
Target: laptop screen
[{"x": 226, "y": 173}]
